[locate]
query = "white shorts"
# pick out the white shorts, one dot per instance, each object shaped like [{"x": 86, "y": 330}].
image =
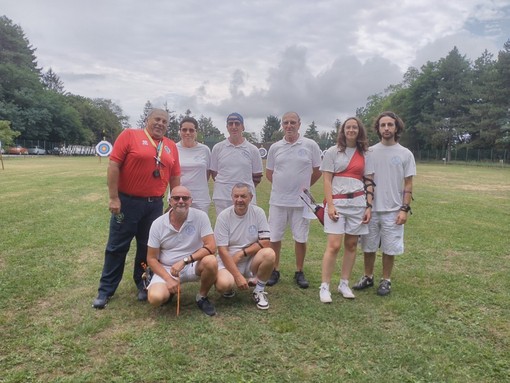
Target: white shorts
[
  {"x": 187, "y": 274},
  {"x": 383, "y": 232},
  {"x": 349, "y": 221},
  {"x": 222, "y": 204},
  {"x": 280, "y": 217},
  {"x": 244, "y": 266},
  {"x": 204, "y": 206}
]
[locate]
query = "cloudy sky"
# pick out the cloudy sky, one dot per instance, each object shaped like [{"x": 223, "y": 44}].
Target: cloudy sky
[{"x": 321, "y": 58}]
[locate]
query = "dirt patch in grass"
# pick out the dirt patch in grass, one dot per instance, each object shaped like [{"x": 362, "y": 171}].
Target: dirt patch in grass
[{"x": 93, "y": 197}]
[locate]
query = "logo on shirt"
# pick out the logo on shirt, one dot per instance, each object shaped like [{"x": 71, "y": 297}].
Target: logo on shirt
[
  {"x": 396, "y": 160},
  {"x": 167, "y": 149},
  {"x": 190, "y": 230},
  {"x": 252, "y": 230},
  {"x": 145, "y": 143},
  {"x": 199, "y": 159},
  {"x": 302, "y": 153}
]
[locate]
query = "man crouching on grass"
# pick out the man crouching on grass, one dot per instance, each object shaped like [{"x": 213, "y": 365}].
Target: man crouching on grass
[
  {"x": 181, "y": 247},
  {"x": 242, "y": 235}
]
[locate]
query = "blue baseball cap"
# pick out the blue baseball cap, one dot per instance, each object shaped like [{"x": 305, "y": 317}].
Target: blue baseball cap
[{"x": 235, "y": 117}]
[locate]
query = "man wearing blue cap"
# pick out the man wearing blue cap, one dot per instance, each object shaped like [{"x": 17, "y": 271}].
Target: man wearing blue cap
[{"x": 234, "y": 160}]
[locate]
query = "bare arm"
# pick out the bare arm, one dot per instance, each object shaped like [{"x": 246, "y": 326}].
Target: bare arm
[
  {"x": 316, "y": 174},
  {"x": 113, "y": 186},
  {"x": 406, "y": 200},
  {"x": 257, "y": 177},
  {"x": 328, "y": 195},
  {"x": 269, "y": 175},
  {"x": 174, "y": 181}
]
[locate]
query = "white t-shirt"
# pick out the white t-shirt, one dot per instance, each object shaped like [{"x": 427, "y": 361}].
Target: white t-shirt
[
  {"x": 195, "y": 163},
  {"x": 236, "y": 232},
  {"x": 234, "y": 164},
  {"x": 335, "y": 161},
  {"x": 390, "y": 165},
  {"x": 175, "y": 245},
  {"x": 292, "y": 166}
]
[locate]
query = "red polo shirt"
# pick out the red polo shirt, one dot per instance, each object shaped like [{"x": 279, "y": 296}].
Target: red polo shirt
[{"x": 136, "y": 156}]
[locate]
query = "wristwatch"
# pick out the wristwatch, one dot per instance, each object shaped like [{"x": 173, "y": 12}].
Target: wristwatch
[{"x": 187, "y": 261}]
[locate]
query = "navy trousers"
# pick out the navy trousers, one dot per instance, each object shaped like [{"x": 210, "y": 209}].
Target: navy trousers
[{"x": 135, "y": 220}]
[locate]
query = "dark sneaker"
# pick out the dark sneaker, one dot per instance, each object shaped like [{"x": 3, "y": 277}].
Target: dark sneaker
[
  {"x": 275, "y": 277},
  {"x": 100, "y": 302},
  {"x": 142, "y": 295},
  {"x": 206, "y": 306},
  {"x": 301, "y": 281},
  {"x": 229, "y": 294},
  {"x": 363, "y": 283},
  {"x": 384, "y": 287}
]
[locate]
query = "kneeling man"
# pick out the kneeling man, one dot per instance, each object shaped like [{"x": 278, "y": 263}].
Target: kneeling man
[
  {"x": 242, "y": 236},
  {"x": 181, "y": 248}
]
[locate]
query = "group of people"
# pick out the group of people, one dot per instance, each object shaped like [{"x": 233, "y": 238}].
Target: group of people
[{"x": 367, "y": 192}]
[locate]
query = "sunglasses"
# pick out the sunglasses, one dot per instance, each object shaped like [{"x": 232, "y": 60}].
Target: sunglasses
[
  {"x": 186, "y": 130},
  {"x": 176, "y": 198}
]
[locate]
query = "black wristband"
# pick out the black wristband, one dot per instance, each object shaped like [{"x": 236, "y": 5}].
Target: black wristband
[
  {"x": 209, "y": 250},
  {"x": 244, "y": 252},
  {"x": 405, "y": 208},
  {"x": 191, "y": 259},
  {"x": 369, "y": 204}
]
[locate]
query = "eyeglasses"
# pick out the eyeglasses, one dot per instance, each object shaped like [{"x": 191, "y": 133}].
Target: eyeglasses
[
  {"x": 186, "y": 130},
  {"x": 234, "y": 123},
  {"x": 176, "y": 198}
]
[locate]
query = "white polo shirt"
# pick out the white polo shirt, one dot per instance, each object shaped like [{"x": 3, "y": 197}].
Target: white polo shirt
[
  {"x": 195, "y": 163},
  {"x": 236, "y": 231},
  {"x": 234, "y": 164},
  {"x": 174, "y": 244},
  {"x": 292, "y": 166}
]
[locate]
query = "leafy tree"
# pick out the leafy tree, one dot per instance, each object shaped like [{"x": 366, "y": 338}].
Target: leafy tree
[
  {"x": 143, "y": 117},
  {"x": 251, "y": 137},
  {"x": 52, "y": 82},
  {"x": 20, "y": 86},
  {"x": 271, "y": 125},
  {"x": 451, "y": 107},
  {"x": 7, "y": 135},
  {"x": 208, "y": 133},
  {"x": 312, "y": 132}
]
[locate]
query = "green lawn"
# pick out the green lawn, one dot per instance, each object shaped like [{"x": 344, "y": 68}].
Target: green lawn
[{"x": 446, "y": 320}]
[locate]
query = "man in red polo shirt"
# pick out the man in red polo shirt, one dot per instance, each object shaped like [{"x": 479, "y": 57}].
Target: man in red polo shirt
[{"x": 142, "y": 164}]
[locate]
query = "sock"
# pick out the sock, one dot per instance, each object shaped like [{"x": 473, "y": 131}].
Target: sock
[
  {"x": 198, "y": 297},
  {"x": 260, "y": 286}
]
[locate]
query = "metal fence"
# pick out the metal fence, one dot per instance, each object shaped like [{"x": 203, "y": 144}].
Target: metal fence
[
  {"x": 501, "y": 156},
  {"x": 57, "y": 148}
]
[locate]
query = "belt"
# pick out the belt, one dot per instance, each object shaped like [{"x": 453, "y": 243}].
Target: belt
[
  {"x": 148, "y": 199},
  {"x": 348, "y": 195}
]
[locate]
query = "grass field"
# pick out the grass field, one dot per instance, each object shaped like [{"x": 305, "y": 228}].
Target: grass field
[{"x": 447, "y": 319}]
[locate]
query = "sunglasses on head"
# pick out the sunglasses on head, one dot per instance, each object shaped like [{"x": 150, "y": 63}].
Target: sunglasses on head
[{"x": 176, "y": 198}]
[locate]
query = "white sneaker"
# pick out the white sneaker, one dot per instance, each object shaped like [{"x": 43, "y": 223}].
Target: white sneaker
[
  {"x": 261, "y": 299},
  {"x": 344, "y": 289},
  {"x": 325, "y": 295}
]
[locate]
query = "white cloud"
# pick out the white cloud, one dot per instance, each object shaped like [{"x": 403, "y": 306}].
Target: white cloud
[{"x": 321, "y": 58}]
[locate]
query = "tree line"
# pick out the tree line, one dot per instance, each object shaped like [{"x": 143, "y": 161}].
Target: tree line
[{"x": 452, "y": 103}]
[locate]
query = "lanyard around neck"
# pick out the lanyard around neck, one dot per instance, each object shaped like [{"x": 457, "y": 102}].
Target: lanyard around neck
[{"x": 159, "y": 146}]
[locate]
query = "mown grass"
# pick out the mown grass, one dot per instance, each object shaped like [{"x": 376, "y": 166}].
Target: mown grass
[{"x": 447, "y": 319}]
